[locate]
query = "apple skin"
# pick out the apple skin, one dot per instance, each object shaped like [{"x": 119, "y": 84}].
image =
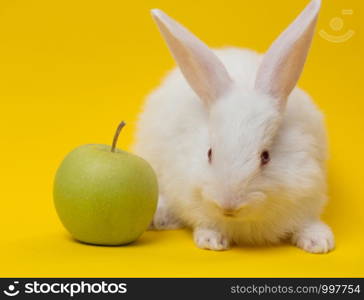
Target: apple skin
[{"x": 104, "y": 197}]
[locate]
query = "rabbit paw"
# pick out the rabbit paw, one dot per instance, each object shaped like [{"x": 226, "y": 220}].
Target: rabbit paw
[
  {"x": 315, "y": 237},
  {"x": 163, "y": 218},
  {"x": 163, "y": 221},
  {"x": 210, "y": 239}
]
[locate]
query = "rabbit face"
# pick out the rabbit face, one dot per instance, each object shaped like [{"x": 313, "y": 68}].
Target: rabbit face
[{"x": 242, "y": 127}]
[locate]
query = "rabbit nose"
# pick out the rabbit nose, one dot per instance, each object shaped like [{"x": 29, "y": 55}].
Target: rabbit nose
[{"x": 229, "y": 209}]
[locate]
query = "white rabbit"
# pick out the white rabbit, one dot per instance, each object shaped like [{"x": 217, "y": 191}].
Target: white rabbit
[{"x": 238, "y": 150}]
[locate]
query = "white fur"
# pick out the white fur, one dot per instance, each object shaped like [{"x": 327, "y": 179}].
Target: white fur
[
  {"x": 210, "y": 239},
  {"x": 283, "y": 199}
]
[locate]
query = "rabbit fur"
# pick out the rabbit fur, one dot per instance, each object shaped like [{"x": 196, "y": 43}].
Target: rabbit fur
[{"x": 204, "y": 131}]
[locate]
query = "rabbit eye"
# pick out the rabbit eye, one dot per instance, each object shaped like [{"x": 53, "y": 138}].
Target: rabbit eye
[
  {"x": 209, "y": 155},
  {"x": 264, "y": 157}
]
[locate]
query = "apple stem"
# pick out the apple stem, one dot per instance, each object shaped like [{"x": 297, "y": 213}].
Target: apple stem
[{"x": 116, "y": 136}]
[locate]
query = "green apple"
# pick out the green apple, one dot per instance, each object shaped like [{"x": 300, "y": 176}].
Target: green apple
[{"x": 104, "y": 195}]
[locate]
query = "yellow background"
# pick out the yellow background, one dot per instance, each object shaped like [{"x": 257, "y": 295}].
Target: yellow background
[{"x": 71, "y": 70}]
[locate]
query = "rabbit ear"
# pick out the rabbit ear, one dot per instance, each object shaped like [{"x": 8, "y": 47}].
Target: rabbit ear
[
  {"x": 283, "y": 63},
  {"x": 202, "y": 69}
]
